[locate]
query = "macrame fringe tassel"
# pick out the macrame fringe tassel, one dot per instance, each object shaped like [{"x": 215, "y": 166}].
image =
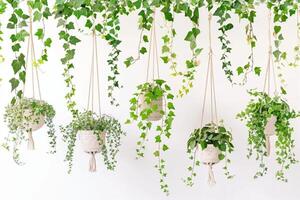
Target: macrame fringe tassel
[
  {"x": 30, "y": 143},
  {"x": 92, "y": 163},
  {"x": 268, "y": 146},
  {"x": 211, "y": 178}
]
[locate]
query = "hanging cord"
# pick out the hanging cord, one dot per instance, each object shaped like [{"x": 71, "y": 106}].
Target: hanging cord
[
  {"x": 267, "y": 82},
  {"x": 153, "y": 52},
  {"x": 31, "y": 51},
  {"x": 210, "y": 81},
  {"x": 94, "y": 64},
  {"x": 270, "y": 65}
]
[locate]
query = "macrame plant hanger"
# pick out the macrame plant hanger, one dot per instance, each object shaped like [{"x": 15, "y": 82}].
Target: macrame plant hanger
[
  {"x": 153, "y": 54},
  {"x": 94, "y": 85},
  {"x": 210, "y": 88},
  {"x": 34, "y": 74},
  {"x": 270, "y": 72}
]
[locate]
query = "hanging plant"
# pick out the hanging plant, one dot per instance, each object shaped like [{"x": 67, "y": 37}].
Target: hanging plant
[
  {"x": 214, "y": 143},
  {"x": 101, "y": 16},
  {"x": 266, "y": 116},
  {"x": 96, "y": 134},
  {"x": 153, "y": 102},
  {"x": 24, "y": 117},
  {"x": 169, "y": 56},
  {"x": 147, "y": 106}
]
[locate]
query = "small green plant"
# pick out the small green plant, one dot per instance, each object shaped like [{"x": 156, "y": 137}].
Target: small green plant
[
  {"x": 90, "y": 121},
  {"x": 260, "y": 108},
  {"x": 150, "y": 93},
  {"x": 210, "y": 134},
  {"x": 27, "y": 111}
]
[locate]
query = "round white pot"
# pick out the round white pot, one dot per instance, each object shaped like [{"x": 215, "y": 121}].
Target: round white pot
[
  {"x": 155, "y": 116},
  {"x": 270, "y": 126},
  {"x": 210, "y": 155},
  {"x": 36, "y": 121},
  {"x": 89, "y": 142}
]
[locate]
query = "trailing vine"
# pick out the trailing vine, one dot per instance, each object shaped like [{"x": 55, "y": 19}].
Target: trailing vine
[
  {"x": 18, "y": 22},
  {"x": 260, "y": 108},
  {"x": 99, "y": 15},
  {"x": 2, "y": 10},
  {"x": 149, "y": 94}
]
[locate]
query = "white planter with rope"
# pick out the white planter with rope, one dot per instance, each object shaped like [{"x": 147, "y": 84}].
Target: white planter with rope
[
  {"x": 210, "y": 156},
  {"x": 90, "y": 144}
]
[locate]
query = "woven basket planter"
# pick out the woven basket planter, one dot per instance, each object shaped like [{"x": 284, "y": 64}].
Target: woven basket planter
[{"x": 154, "y": 116}]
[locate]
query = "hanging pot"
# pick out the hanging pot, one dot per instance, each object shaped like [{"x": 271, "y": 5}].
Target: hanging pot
[
  {"x": 91, "y": 145},
  {"x": 270, "y": 126},
  {"x": 210, "y": 155},
  {"x": 154, "y": 116}
]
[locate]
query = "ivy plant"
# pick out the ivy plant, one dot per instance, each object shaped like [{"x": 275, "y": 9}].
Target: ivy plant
[
  {"x": 260, "y": 108},
  {"x": 152, "y": 92},
  {"x": 101, "y": 16},
  {"x": 19, "y": 22},
  {"x": 17, "y": 120},
  {"x": 90, "y": 121},
  {"x": 199, "y": 139}
]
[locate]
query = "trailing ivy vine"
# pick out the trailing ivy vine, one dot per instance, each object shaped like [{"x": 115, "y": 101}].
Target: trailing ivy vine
[
  {"x": 19, "y": 23},
  {"x": 99, "y": 15}
]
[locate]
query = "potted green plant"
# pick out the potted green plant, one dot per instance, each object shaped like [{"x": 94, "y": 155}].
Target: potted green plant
[
  {"x": 96, "y": 134},
  {"x": 213, "y": 142},
  {"x": 153, "y": 101},
  {"x": 24, "y": 117},
  {"x": 266, "y": 116}
]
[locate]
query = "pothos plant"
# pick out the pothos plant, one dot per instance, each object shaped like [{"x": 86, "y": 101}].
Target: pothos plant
[
  {"x": 210, "y": 134},
  {"x": 101, "y": 16},
  {"x": 260, "y": 108},
  {"x": 169, "y": 9},
  {"x": 18, "y": 120},
  {"x": 88, "y": 120},
  {"x": 158, "y": 89},
  {"x": 23, "y": 12}
]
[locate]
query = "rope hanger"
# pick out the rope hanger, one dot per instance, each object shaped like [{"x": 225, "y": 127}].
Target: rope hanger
[
  {"x": 210, "y": 81},
  {"x": 270, "y": 65},
  {"x": 93, "y": 75},
  {"x": 153, "y": 53},
  {"x": 31, "y": 52}
]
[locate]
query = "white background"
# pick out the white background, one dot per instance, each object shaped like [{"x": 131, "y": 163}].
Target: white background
[{"x": 45, "y": 176}]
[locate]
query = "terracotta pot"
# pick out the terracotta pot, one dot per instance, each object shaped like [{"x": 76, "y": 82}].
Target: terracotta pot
[
  {"x": 210, "y": 155},
  {"x": 154, "y": 116},
  {"x": 36, "y": 121},
  {"x": 89, "y": 142},
  {"x": 270, "y": 126}
]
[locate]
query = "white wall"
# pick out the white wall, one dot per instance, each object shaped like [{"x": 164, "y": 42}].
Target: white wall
[{"x": 45, "y": 176}]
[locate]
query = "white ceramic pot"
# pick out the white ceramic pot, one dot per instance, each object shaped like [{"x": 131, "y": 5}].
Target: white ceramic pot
[
  {"x": 270, "y": 126},
  {"x": 36, "y": 121},
  {"x": 89, "y": 142},
  {"x": 155, "y": 116},
  {"x": 210, "y": 155}
]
